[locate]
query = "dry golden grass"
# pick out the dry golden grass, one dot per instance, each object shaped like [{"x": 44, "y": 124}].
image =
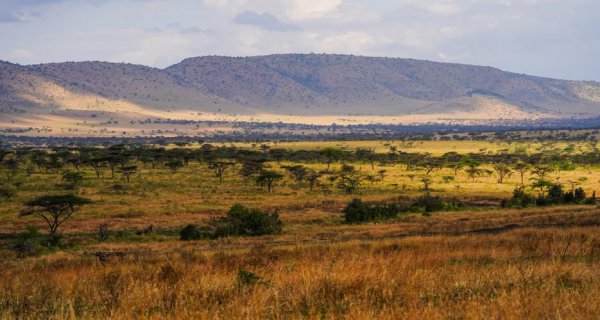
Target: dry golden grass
[{"x": 544, "y": 274}]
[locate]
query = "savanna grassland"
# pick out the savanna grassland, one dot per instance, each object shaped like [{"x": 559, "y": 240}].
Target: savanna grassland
[{"x": 443, "y": 229}]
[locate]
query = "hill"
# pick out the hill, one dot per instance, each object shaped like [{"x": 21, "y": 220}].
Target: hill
[{"x": 289, "y": 88}]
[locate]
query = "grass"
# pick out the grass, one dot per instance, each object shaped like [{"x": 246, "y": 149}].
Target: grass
[
  {"x": 479, "y": 262},
  {"x": 552, "y": 273}
]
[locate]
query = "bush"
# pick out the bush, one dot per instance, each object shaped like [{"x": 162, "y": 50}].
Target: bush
[
  {"x": 520, "y": 199},
  {"x": 194, "y": 232},
  {"x": 431, "y": 203},
  {"x": 242, "y": 221},
  {"x": 359, "y": 211},
  {"x": 580, "y": 195},
  {"x": 554, "y": 196},
  {"x": 7, "y": 193}
]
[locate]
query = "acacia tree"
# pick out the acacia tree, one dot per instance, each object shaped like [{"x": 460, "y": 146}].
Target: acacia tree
[
  {"x": 473, "y": 170},
  {"x": 54, "y": 209},
  {"x": 503, "y": 171},
  {"x": 175, "y": 165},
  {"x": 11, "y": 166},
  {"x": 349, "y": 183},
  {"x": 97, "y": 164},
  {"x": 128, "y": 171},
  {"x": 267, "y": 179},
  {"x": 220, "y": 167},
  {"x": 312, "y": 177},
  {"x": 250, "y": 169},
  {"x": 521, "y": 167},
  {"x": 368, "y": 155},
  {"x": 331, "y": 155},
  {"x": 299, "y": 172},
  {"x": 541, "y": 171},
  {"x": 455, "y": 167},
  {"x": 429, "y": 165}
]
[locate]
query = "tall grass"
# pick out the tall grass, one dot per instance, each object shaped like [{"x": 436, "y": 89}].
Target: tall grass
[{"x": 549, "y": 274}]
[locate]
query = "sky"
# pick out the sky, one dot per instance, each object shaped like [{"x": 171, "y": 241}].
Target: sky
[{"x": 551, "y": 38}]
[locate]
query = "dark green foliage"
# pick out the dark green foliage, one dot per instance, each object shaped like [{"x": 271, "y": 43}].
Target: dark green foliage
[
  {"x": 71, "y": 180},
  {"x": 268, "y": 178},
  {"x": 194, "y": 232},
  {"x": 7, "y": 193},
  {"x": 579, "y": 195},
  {"x": 242, "y": 221},
  {"x": 359, "y": 211},
  {"x": 553, "y": 196},
  {"x": 431, "y": 203}
]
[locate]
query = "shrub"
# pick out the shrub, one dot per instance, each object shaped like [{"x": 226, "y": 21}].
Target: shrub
[
  {"x": 579, "y": 195},
  {"x": 194, "y": 232},
  {"x": 430, "y": 203},
  {"x": 555, "y": 195},
  {"x": 520, "y": 199},
  {"x": 7, "y": 193},
  {"x": 569, "y": 197},
  {"x": 359, "y": 211},
  {"x": 242, "y": 221}
]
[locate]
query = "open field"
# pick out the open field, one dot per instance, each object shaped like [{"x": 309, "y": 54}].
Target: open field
[{"x": 470, "y": 258}]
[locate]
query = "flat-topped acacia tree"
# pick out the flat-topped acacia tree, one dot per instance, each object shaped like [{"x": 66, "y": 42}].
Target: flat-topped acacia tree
[{"x": 54, "y": 209}]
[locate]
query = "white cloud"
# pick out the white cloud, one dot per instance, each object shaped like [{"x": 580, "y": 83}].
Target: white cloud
[{"x": 527, "y": 36}]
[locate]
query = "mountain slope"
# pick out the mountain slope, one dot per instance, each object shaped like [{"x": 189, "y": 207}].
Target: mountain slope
[{"x": 290, "y": 85}]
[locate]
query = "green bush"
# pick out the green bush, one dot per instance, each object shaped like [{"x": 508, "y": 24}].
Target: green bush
[
  {"x": 553, "y": 196},
  {"x": 579, "y": 195},
  {"x": 242, "y": 221},
  {"x": 431, "y": 203},
  {"x": 194, "y": 232},
  {"x": 359, "y": 211}
]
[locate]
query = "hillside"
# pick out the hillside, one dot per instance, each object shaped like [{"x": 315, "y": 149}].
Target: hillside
[{"x": 288, "y": 88}]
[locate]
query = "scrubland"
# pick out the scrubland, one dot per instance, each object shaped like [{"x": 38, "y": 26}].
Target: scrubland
[{"x": 479, "y": 261}]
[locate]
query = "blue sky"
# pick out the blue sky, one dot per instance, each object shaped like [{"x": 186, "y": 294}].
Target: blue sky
[{"x": 553, "y": 38}]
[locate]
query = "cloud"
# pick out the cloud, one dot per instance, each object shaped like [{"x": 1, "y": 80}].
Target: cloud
[
  {"x": 553, "y": 38},
  {"x": 265, "y": 20},
  {"x": 22, "y": 10},
  {"x": 194, "y": 30}
]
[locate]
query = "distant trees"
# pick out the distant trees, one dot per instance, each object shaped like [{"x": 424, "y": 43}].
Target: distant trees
[
  {"x": 11, "y": 168},
  {"x": 541, "y": 171},
  {"x": 331, "y": 155},
  {"x": 503, "y": 171},
  {"x": 473, "y": 171},
  {"x": 128, "y": 171},
  {"x": 220, "y": 167},
  {"x": 349, "y": 183},
  {"x": 250, "y": 169},
  {"x": 522, "y": 168},
  {"x": 298, "y": 172},
  {"x": 267, "y": 179}
]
